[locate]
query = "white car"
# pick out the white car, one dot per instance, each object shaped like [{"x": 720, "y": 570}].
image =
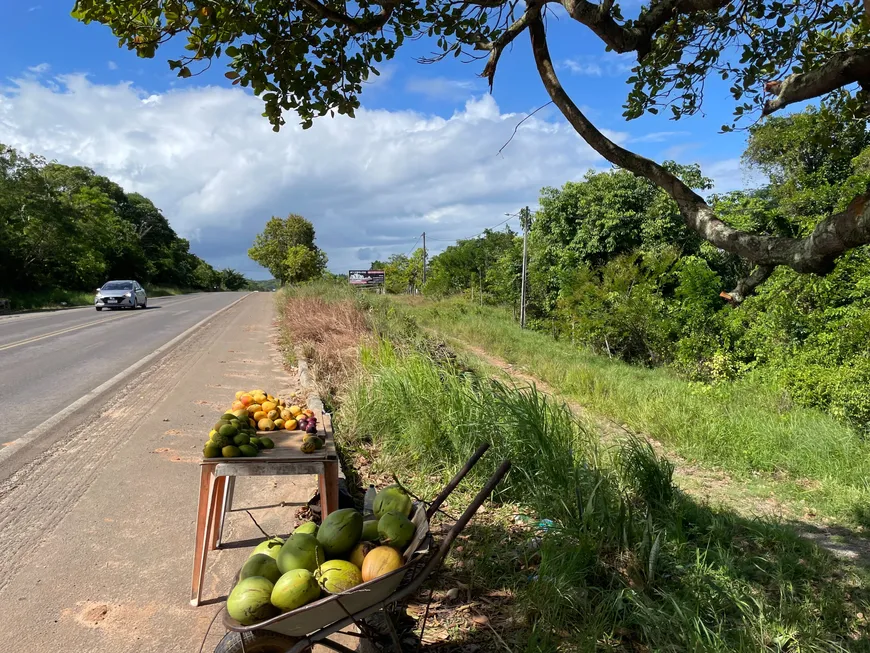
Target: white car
[{"x": 120, "y": 294}]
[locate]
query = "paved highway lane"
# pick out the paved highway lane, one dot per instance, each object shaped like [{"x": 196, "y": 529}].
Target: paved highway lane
[{"x": 49, "y": 360}]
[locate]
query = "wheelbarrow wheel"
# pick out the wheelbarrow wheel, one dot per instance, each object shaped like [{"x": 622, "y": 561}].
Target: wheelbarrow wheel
[{"x": 255, "y": 641}]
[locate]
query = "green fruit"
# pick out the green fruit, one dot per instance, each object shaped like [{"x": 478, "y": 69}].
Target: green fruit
[
  {"x": 231, "y": 452},
  {"x": 270, "y": 547},
  {"x": 338, "y": 576},
  {"x": 396, "y": 530},
  {"x": 308, "y": 527},
  {"x": 228, "y": 417},
  {"x": 260, "y": 564},
  {"x": 318, "y": 443},
  {"x": 254, "y": 442},
  {"x": 250, "y": 601},
  {"x": 241, "y": 439},
  {"x": 300, "y": 551},
  {"x": 340, "y": 532},
  {"x": 248, "y": 450},
  {"x": 294, "y": 589},
  {"x": 370, "y": 531},
  {"x": 308, "y": 446},
  {"x": 392, "y": 499},
  {"x": 219, "y": 425},
  {"x": 211, "y": 450},
  {"x": 267, "y": 443},
  {"x": 219, "y": 441},
  {"x": 228, "y": 430}
]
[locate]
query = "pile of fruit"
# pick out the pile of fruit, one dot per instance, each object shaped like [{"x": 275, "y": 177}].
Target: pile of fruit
[
  {"x": 233, "y": 435},
  {"x": 345, "y": 551},
  {"x": 270, "y": 414}
]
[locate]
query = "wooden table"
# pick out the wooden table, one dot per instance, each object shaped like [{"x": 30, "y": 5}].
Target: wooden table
[{"x": 218, "y": 478}]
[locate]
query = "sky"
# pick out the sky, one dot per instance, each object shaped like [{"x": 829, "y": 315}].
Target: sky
[{"x": 425, "y": 152}]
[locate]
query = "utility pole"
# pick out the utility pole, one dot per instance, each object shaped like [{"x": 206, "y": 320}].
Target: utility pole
[
  {"x": 525, "y": 218},
  {"x": 424, "y": 258}
]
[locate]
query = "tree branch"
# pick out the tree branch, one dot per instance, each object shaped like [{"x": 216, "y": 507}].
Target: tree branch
[
  {"x": 497, "y": 46},
  {"x": 355, "y": 25},
  {"x": 636, "y": 36},
  {"x": 746, "y": 285},
  {"x": 815, "y": 253},
  {"x": 841, "y": 69}
]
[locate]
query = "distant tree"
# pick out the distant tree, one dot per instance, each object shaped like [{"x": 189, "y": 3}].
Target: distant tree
[
  {"x": 232, "y": 280},
  {"x": 304, "y": 263},
  {"x": 271, "y": 247}
]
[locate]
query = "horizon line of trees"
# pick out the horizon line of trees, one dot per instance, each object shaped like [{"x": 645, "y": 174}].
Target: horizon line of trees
[{"x": 68, "y": 227}]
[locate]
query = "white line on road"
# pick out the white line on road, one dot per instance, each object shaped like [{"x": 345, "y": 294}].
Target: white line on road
[{"x": 79, "y": 403}]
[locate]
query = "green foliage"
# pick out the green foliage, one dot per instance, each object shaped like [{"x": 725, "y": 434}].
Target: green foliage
[
  {"x": 629, "y": 561},
  {"x": 313, "y": 58},
  {"x": 303, "y": 263},
  {"x": 402, "y": 274},
  {"x": 66, "y": 227},
  {"x": 274, "y": 249}
]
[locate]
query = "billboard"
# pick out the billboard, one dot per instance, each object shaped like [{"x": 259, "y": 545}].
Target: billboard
[{"x": 366, "y": 278}]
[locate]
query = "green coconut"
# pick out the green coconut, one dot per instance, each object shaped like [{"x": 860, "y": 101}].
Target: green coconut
[
  {"x": 270, "y": 547},
  {"x": 336, "y": 576},
  {"x": 395, "y": 530},
  {"x": 392, "y": 499},
  {"x": 300, "y": 551},
  {"x": 294, "y": 589},
  {"x": 308, "y": 527},
  {"x": 340, "y": 532},
  {"x": 260, "y": 564},
  {"x": 370, "y": 530},
  {"x": 250, "y": 601}
]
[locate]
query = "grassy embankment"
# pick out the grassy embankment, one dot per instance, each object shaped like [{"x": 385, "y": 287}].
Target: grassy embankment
[
  {"x": 59, "y": 298},
  {"x": 743, "y": 427},
  {"x": 630, "y": 564}
]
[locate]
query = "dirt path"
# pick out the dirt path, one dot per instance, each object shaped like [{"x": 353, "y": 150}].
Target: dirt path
[{"x": 713, "y": 486}]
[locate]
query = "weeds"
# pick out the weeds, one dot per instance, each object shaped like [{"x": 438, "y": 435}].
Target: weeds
[{"x": 626, "y": 562}]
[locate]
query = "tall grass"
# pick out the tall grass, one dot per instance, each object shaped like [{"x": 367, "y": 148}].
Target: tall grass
[
  {"x": 743, "y": 426},
  {"x": 630, "y": 564}
]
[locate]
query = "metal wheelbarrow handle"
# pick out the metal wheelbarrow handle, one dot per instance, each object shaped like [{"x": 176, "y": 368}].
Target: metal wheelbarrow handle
[{"x": 456, "y": 480}]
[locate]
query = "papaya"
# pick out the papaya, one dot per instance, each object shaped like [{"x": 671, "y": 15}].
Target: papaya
[
  {"x": 338, "y": 576},
  {"x": 340, "y": 532},
  {"x": 294, "y": 589},
  {"x": 379, "y": 561},
  {"x": 395, "y": 530},
  {"x": 392, "y": 499},
  {"x": 300, "y": 551},
  {"x": 250, "y": 601}
]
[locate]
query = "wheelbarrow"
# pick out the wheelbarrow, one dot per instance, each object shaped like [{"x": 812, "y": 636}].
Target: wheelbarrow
[{"x": 299, "y": 630}]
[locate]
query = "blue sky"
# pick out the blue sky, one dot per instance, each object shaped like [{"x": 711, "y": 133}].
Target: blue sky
[{"x": 422, "y": 156}]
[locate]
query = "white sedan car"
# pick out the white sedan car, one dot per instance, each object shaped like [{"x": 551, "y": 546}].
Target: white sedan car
[{"x": 120, "y": 294}]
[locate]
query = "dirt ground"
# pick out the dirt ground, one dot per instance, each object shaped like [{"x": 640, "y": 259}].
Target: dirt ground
[{"x": 97, "y": 534}]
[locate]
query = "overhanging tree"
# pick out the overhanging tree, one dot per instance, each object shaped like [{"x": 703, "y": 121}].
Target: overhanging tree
[{"x": 312, "y": 57}]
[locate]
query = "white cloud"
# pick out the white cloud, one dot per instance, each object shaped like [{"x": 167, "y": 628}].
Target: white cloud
[
  {"x": 40, "y": 69},
  {"x": 208, "y": 158},
  {"x": 112, "y": 65},
  {"x": 658, "y": 137},
  {"x": 610, "y": 64},
  {"x": 441, "y": 88},
  {"x": 730, "y": 174}
]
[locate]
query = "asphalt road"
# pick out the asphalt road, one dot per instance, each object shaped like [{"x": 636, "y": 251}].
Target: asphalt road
[{"x": 49, "y": 360}]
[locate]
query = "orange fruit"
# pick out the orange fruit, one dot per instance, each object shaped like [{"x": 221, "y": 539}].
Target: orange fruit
[
  {"x": 269, "y": 405},
  {"x": 290, "y": 424},
  {"x": 260, "y": 415},
  {"x": 308, "y": 412},
  {"x": 295, "y": 410},
  {"x": 246, "y": 399}
]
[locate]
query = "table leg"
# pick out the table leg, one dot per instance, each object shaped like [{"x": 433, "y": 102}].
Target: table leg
[
  {"x": 200, "y": 552},
  {"x": 228, "y": 505},
  {"x": 329, "y": 488},
  {"x": 220, "y": 487}
]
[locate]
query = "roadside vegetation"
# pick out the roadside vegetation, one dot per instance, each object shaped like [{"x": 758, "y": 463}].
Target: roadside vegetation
[
  {"x": 65, "y": 230},
  {"x": 628, "y": 562}
]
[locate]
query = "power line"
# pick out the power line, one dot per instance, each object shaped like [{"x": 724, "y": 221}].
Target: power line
[{"x": 446, "y": 240}]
